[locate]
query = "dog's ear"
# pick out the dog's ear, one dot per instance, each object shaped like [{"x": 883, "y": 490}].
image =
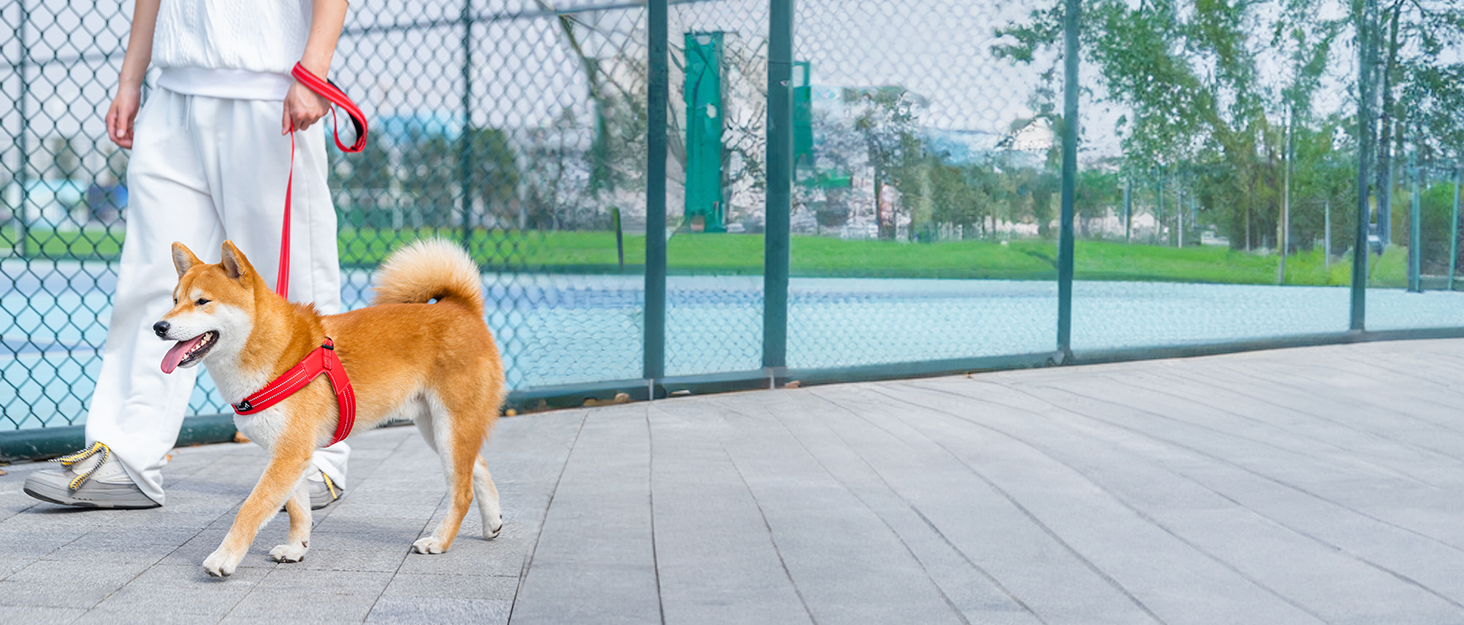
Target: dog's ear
[
  {"x": 235, "y": 264},
  {"x": 183, "y": 258}
]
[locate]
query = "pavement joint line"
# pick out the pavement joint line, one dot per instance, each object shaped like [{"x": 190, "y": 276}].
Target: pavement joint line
[
  {"x": 1119, "y": 464},
  {"x": 379, "y": 467},
  {"x": 848, "y": 489},
  {"x": 869, "y": 508},
  {"x": 772, "y": 539},
  {"x": 1052, "y": 534},
  {"x": 1326, "y": 543},
  {"x": 1254, "y": 440},
  {"x": 529, "y": 558},
  {"x": 1116, "y": 498},
  {"x": 42, "y": 556},
  {"x": 1333, "y": 423},
  {"x": 651, "y": 499},
  {"x": 313, "y": 523},
  {"x": 1248, "y": 470},
  {"x": 916, "y": 509},
  {"x": 1284, "y": 385}
]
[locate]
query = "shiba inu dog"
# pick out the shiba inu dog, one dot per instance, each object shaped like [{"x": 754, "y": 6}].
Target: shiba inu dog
[{"x": 421, "y": 351}]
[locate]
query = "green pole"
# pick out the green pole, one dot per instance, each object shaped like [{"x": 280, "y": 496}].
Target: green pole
[
  {"x": 1327, "y": 235},
  {"x": 1366, "y": 59},
  {"x": 779, "y": 198},
  {"x": 1069, "y": 179},
  {"x": 1128, "y": 207},
  {"x": 21, "y": 245},
  {"x": 619, "y": 236},
  {"x": 465, "y": 142},
  {"x": 656, "y": 97},
  {"x": 1454, "y": 231},
  {"x": 1415, "y": 229},
  {"x": 1159, "y": 238}
]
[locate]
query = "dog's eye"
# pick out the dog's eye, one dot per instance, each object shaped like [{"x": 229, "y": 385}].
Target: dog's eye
[{"x": 200, "y": 302}]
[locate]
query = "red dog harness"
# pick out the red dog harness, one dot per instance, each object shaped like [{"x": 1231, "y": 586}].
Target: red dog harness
[{"x": 323, "y": 359}]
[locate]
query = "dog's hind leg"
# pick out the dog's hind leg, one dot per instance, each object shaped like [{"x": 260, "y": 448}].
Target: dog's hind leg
[
  {"x": 298, "y": 542},
  {"x": 457, "y": 441},
  {"x": 487, "y": 495}
]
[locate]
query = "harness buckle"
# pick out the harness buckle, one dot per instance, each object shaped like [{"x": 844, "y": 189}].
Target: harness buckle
[{"x": 243, "y": 406}]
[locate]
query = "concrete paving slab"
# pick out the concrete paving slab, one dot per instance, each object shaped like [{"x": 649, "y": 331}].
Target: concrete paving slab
[
  {"x": 1299, "y": 486},
  {"x": 415, "y": 611},
  {"x": 29, "y": 615}
]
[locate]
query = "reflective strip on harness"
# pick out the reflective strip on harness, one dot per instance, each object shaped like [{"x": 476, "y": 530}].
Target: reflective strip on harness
[{"x": 322, "y": 359}]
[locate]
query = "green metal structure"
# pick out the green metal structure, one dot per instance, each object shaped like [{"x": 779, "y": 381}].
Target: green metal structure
[{"x": 704, "y": 125}]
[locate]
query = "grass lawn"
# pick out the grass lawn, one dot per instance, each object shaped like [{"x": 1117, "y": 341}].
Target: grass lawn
[
  {"x": 81, "y": 245},
  {"x": 724, "y": 254}
]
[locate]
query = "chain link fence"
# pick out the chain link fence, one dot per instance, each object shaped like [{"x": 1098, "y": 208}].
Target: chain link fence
[{"x": 926, "y": 195}]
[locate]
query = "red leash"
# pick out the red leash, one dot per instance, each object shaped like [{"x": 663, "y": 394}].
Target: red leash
[
  {"x": 329, "y": 91},
  {"x": 322, "y": 359}
]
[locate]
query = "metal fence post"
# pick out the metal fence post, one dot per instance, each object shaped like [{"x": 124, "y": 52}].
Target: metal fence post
[
  {"x": 1069, "y": 178},
  {"x": 1128, "y": 207},
  {"x": 1360, "y": 249},
  {"x": 1415, "y": 229},
  {"x": 776, "y": 244},
  {"x": 1454, "y": 231},
  {"x": 465, "y": 142},
  {"x": 22, "y": 231},
  {"x": 654, "y": 364}
]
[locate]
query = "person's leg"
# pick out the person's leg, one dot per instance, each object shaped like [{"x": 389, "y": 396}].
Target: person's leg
[
  {"x": 248, "y": 182},
  {"x": 136, "y": 409},
  {"x": 317, "y": 246}
]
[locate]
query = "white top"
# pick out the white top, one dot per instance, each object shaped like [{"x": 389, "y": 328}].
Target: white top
[{"x": 257, "y": 41}]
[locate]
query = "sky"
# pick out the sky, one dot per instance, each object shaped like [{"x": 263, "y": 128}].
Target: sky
[{"x": 405, "y": 58}]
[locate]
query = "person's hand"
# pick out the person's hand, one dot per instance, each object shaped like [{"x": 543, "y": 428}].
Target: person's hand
[
  {"x": 121, "y": 115},
  {"x": 303, "y": 108}
]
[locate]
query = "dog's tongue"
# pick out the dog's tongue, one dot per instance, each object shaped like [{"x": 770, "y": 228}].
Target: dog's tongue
[{"x": 176, "y": 354}]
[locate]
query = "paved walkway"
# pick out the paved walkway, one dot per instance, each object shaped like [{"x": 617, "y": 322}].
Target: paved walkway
[{"x": 1297, "y": 486}]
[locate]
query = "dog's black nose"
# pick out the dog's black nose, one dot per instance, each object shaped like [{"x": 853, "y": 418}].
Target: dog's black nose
[{"x": 161, "y": 328}]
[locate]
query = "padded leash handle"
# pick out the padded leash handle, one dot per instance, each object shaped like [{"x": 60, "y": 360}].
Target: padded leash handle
[{"x": 331, "y": 92}]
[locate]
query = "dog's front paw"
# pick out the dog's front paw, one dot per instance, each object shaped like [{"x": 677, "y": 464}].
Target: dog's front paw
[
  {"x": 429, "y": 544},
  {"x": 220, "y": 564},
  {"x": 293, "y": 552},
  {"x": 490, "y": 534}
]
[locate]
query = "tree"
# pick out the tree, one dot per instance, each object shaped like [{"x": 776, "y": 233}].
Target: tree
[
  {"x": 64, "y": 159},
  {"x": 360, "y": 180},
  {"x": 493, "y": 175},
  {"x": 1188, "y": 71},
  {"x": 885, "y": 117},
  {"x": 431, "y": 178},
  {"x": 1420, "y": 66},
  {"x": 1096, "y": 192}
]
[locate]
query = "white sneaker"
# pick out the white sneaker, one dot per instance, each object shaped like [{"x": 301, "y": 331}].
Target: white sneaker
[
  {"x": 323, "y": 490},
  {"x": 90, "y": 478}
]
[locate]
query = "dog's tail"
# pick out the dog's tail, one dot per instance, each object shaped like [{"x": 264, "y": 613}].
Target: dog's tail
[{"x": 430, "y": 269}]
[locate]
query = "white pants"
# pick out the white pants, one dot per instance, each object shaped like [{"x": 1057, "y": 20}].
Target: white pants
[{"x": 204, "y": 170}]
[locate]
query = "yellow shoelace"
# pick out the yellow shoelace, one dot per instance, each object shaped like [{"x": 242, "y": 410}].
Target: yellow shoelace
[
  {"x": 330, "y": 486},
  {"x": 81, "y": 478}
]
